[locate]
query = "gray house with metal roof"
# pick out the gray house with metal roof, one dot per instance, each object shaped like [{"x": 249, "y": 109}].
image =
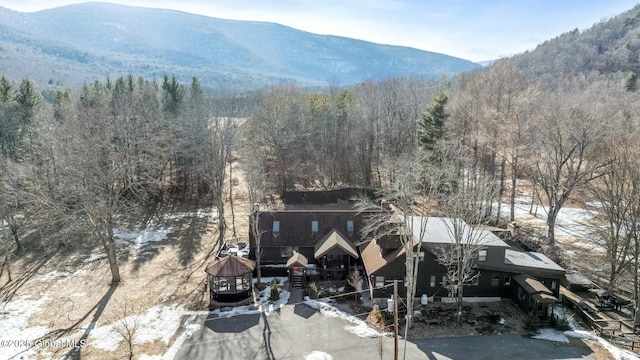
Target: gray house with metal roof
[{"x": 531, "y": 279}]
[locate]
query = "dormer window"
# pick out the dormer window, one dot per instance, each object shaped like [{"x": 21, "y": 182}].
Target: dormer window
[
  {"x": 350, "y": 227},
  {"x": 276, "y": 227},
  {"x": 482, "y": 255},
  {"x": 314, "y": 226}
]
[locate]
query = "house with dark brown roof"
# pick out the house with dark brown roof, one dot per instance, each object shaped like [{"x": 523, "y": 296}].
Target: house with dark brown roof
[{"x": 327, "y": 239}]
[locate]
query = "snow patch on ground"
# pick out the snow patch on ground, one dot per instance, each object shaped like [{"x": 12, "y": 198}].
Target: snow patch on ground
[
  {"x": 263, "y": 303},
  {"x": 14, "y": 325},
  {"x": 570, "y": 222},
  {"x": 138, "y": 241},
  {"x": 201, "y": 213},
  {"x": 359, "y": 328},
  {"x": 158, "y": 323},
  {"x": 552, "y": 335},
  {"x": 60, "y": 276},
  {"x": 141, "y": 238},
  {"x": 578, "y": 332},
  {"x": 318, "y": 355},
  {"x": 189, "y": 329}
]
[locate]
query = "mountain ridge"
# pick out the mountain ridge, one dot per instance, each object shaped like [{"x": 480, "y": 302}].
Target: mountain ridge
[{"x": 97, "y": 39}]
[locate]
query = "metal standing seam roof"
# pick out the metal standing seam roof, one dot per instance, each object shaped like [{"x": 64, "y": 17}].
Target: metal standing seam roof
[
  {"x": 230, "y": 266},
  {"x": 530, "y": 259},
  {"x": 575, "y": 278},
  {"x": 437, "y": 230},
  {"x": 332, "y": 240}
]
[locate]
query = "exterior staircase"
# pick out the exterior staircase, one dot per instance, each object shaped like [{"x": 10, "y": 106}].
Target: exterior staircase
[{"x": 297, "y": 282}]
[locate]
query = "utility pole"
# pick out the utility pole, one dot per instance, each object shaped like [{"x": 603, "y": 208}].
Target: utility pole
[{"x": 395, "y": 319}]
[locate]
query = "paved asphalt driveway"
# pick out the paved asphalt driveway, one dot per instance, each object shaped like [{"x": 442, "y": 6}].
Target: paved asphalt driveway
[{"x": 298, "y": 330}]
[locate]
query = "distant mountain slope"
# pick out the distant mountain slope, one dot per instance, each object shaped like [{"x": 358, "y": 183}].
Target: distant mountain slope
[
  {"x": 86, "y": 41},
  {"x": 607, "y": 47}
]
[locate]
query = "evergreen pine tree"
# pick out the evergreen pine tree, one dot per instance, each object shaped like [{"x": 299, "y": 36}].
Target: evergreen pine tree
[{"x": 432, "y": 124}]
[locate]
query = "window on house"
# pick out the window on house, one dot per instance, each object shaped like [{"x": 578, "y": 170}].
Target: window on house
[
  {"x": 379, "y": 281},
  {"x": 444, "y": 280},
  {"x": 554, "y": 285},
  {"x": 287, "y": 251},
  {"x": 482, "y": 255},
  {"x": 350, "y": 227},
  {"x": 432, "y": 281},
  {"x": 495, "y": 280},
  {"x": 276, "y": 226},
  {"x": 507, "y": 280},
  {"x": 314, "y": 226}
]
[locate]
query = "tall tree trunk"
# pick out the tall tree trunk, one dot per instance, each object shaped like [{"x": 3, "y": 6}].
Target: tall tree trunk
[
  {"x": 221, "y": 222},
  {"x": 233, "y": 215},
  {"x": 551, "y": 223},
  {"x": 109, "y": 246},
  {"x": 14, "y": 231},
  {"x": 502, "y": 187},
  {"x": 514, "y": 179},
  {"x": 612, "y": 279},
  {"x": 459, "y": 289}
]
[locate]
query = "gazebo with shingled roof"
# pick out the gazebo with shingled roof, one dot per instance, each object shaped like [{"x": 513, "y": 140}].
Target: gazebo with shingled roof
[{"x": 229, "y": 278}]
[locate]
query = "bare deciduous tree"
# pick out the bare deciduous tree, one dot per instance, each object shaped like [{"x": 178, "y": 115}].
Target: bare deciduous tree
[
  {"x": 405, "y": 220},
  {"x": 463, "y": 198},
  {"x": 257, "y": 188},
  {"x": 112, "y": 157},
  {"x": 125, "y": 321},
  {"x": 617, "y": 190},
  {"x": 564, "y": 162}
]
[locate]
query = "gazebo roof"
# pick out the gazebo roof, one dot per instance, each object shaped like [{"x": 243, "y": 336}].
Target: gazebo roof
[
  {"x": 297, "y": 259},
  {"x": 230, "y": 266}
]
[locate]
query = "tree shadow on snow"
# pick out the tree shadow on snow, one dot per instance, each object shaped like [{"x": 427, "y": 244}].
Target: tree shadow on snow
[{"x": 75, "y": 353}]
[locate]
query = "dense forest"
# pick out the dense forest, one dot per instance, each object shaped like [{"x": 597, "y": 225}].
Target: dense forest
[{"x": 78, "y": 162}]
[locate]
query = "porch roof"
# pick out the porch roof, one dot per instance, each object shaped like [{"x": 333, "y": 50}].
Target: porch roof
[
  {"x": 531, "y": 285},
  {"x": 334, "y": 240},
  {"x": 544, "y": 298},
  {"x": 297, "y": 259}
]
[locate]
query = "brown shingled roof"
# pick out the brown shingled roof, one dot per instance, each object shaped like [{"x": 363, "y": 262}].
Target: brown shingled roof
[
  {"x": 334, "y": 240},
  {"x": 373, "y": 258},
  {"x": 297, "y": 259},
  {"x": 230, "y": 266},
  {"x": 531, "y": 285}
]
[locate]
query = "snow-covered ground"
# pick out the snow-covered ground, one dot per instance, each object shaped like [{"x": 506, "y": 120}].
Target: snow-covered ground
[
  {"x": 574, "y": 223},
  {"x": 161, "y": 322},
  {"x": 359, "y": 327},
  {"x": 14, "y": 326},
  {"x": 137, "y": 242},
  {"x": 578, "y": 332}
]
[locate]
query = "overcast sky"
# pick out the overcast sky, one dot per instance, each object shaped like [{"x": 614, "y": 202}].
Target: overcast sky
[{"x": 476, "y": 30}]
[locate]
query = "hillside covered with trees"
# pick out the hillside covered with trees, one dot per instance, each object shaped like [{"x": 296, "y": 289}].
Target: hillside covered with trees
[{"x": 558, "y": 125}]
